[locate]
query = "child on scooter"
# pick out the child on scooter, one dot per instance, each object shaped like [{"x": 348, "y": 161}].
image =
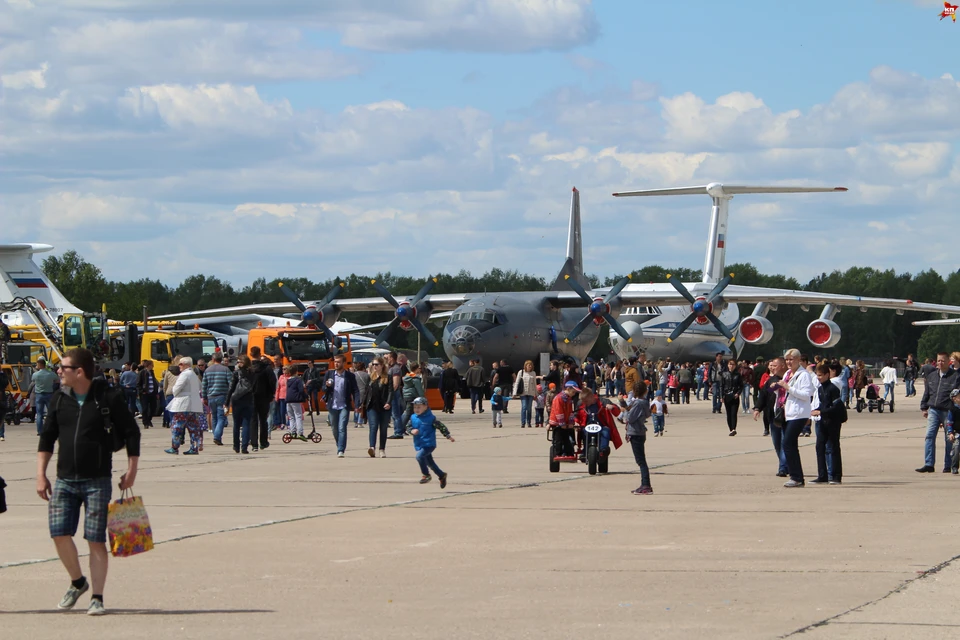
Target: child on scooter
[
  {"x": 423, "y": 427},
  {"x": 295, "y": 397}
]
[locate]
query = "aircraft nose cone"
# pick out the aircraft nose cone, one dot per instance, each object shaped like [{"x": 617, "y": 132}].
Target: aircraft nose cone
[
  {"x": 311, "y": 316},
  {"x": 596, "y": 307},
  {"x": 402, "y": 311}
]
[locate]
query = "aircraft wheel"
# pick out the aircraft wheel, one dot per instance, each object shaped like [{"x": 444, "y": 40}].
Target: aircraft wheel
[{"x": 286, "y": 438}]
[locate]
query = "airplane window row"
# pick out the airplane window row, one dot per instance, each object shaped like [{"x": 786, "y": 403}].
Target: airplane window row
[{"x": 489, "y": 316}]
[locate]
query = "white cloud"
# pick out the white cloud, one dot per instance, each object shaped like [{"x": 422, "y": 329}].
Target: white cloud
[
  {"x": 70, "y": 211},
  {"x": 27, "y": 78},
  {"x": 879, "y": 226},
  {"x": 209, "y": 107}
]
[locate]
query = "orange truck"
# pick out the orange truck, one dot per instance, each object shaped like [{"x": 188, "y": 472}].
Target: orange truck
[{"x": 298, "y": 346}]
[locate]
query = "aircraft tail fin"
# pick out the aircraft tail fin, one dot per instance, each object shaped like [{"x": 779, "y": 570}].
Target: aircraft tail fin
[
  {"x": 21, "y": 277},
  {"x": 573, "y": 265},
  {"x": 715, "y": 259}
]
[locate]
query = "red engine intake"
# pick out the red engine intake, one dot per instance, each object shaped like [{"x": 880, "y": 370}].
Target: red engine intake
[
  {"x": 756, "y": 330},
  {"x": 823, "y": 333}
]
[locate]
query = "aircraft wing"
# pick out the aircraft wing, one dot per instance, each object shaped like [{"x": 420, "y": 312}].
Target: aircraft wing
[
  {"x": 439, "y": 302},
  {"x": 645, "y": 295},
  {"x": 381, "y": 325}
]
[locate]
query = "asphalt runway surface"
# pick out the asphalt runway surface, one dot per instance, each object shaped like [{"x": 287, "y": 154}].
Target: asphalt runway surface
[{"x": 292, "y": 542}]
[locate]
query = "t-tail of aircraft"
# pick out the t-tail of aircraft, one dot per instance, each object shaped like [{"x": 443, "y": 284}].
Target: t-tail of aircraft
[
  {"x": 22, "y": 278},
  {"x": 714, "y": 262},
  {"x": 573, "y": 265}
]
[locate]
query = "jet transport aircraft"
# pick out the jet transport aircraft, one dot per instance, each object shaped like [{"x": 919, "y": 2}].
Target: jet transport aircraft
[{"x": 688, "y": 321}]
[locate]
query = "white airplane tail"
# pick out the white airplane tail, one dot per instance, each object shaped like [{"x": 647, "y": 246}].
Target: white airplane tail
[
  {"x": 22, "y": 278},
  {"x": 714, "y": 262}
]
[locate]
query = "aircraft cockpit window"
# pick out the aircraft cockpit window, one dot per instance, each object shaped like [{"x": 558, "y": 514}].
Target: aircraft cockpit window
[{"x": 486, "y": 316}]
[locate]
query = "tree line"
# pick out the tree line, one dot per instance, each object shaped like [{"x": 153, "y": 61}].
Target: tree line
[{"x": 875, "y": 333}]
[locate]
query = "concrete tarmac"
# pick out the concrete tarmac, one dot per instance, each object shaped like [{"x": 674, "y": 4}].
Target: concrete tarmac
[{"x": 292, "y": 542}]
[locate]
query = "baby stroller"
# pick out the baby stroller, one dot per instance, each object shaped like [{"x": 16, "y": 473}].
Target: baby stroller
[{"x": 873, "y": 401}]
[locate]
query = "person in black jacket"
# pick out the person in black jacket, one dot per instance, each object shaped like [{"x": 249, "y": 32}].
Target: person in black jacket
[
  {"x": 264, "y": 390},
  {"x": 449, "y": 385},
  {"x": 240, "y": 399},
  {"x": 339, "y": 392},
  {"x": 935, "y": 403},
  {"x": 830, "y": 411},
  {"x": 147, "y": 388},
  {"x": 773, "y": 419},
  {"x": 84, "y": 468},
  {"x": 379, "y": 395},
  {"x": 731, "y": 386}
]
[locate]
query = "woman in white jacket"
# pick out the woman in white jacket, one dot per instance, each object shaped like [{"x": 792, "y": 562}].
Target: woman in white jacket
[
  {"x": 525, "y": 386},
  {"x": 795, "y": 394},
  {"x": 186, "y": 410}
]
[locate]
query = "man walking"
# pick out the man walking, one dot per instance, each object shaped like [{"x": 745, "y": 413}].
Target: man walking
[
  {"x": 214, "y": 389},
  {"x": 147, "y": 389},
  {"x": 128, "y": 382},
  {"x": 86, "y": 417},
  {"x": 43, "y": 382},
  {"x": 339, "y": 391},
  {"x": 935, "y": 404},
  {"x": 476, "y": 381},
  {"x": 396, "y": 368},
  {"x": 264, "y": 388},
  {"x": 714, "y": 375}
]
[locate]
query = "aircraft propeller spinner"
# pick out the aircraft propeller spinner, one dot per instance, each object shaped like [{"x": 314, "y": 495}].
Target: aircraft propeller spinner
[
  {"x": 312, "y": 316},
  {"x": 701, "y": 308},
  {"x": 406, "y": 313},
  {"x": 598, "y": 309}
]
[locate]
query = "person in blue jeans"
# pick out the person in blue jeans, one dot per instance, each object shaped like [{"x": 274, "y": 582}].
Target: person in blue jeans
[
  {"x": 240, "y": 397},
  {"x": 935, "y": 404},
  {"x": 423, "y": 427},
  {"x": 339, "y": 392},
  {"x": 44, "y": 382}
]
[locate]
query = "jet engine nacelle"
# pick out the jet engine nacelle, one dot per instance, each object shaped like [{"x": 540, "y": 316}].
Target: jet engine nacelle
[
  {"x": 756, "y": 330},
  {"x": 823, "y": 333},
  {"x": 625, "y": 349}
]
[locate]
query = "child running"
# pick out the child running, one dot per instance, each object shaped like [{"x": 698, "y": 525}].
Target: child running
[
  {"x": 423, "y": 427},
  {"x": 496, "y": 407},
  {"x": 296, "y": 396}
]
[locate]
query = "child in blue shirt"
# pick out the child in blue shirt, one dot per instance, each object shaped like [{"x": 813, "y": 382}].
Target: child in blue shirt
[
  {"x": 540, "y": 403},
  {"x": 423, "y": 427},
  {"x": 496, "y": 407}
]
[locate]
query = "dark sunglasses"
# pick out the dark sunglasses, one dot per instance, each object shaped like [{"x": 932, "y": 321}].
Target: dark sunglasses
[{"x": 67, "y": 366}]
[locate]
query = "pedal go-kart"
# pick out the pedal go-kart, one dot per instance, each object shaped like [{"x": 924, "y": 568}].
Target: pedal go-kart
[
  {"x": 584, "y": 444},
  {"x": 874, "y": 401}
]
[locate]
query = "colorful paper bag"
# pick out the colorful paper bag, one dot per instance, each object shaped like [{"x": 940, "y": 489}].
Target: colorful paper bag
[{"x": 128, "y": 526}]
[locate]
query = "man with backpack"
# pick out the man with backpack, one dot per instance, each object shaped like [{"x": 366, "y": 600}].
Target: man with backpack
[{"x": 91, "y": 422}]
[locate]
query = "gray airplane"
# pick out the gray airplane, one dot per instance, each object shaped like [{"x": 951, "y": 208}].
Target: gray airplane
[{"x": 520, "y": 326}]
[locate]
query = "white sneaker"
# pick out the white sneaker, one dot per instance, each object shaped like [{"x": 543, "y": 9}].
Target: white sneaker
[
  {"x": 340, "y": 454},
  {"x": 383, "y": 454},
  {"x": 96, "y": 608}
]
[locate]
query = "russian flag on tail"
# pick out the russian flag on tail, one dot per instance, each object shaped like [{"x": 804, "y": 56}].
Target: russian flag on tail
[
  {"x": 30, "y": 283},
  {"x": 719, "y": 241}
]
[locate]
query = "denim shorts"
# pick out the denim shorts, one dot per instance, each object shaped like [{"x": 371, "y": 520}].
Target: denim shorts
[{"x": 68, "y": 496}]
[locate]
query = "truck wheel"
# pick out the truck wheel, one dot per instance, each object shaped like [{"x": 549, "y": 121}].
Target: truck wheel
[
  {"x": 554, "y": 465},
  {"x": 592, "y": 455}
]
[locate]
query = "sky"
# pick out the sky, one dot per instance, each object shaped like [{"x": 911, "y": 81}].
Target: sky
[{"x": 315, "y": 138}]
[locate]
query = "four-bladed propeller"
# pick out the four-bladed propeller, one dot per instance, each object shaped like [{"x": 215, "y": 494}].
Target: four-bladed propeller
[
  {"x": 598, "y": 309},
  {"x": 406, "y": 313},
  {"x": 312, "y": 315},
  {"x": 701, "y": 308}
]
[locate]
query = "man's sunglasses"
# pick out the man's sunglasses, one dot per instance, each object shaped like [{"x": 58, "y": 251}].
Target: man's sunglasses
[{"x": 67, "y": 366}]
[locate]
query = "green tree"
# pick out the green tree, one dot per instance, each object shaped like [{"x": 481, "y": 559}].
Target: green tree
[{"x": 81, "y": 282}]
